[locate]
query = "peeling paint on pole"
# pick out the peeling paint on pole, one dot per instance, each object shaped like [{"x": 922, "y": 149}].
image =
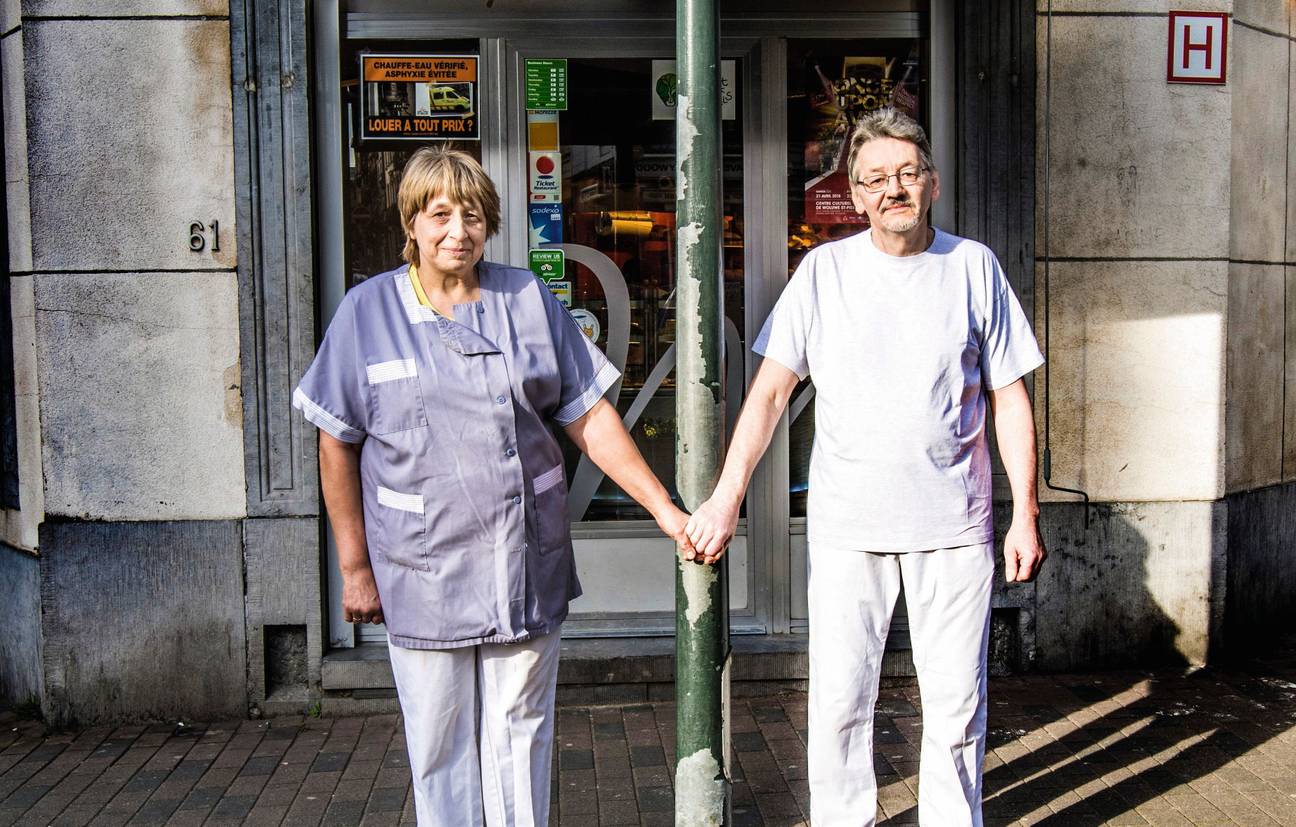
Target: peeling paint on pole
[
  {"x": 685, "y": 138},
  {"x": 701, "y": 627},
  {"x": 698, "y": 582},
  {"x": 699, "y": 791}
]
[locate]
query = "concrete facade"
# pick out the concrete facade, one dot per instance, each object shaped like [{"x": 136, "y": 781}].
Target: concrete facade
[
  {"x": 1261, "y": 577},
  {"x": 118, "y": 136},
  {"x": 160, "y": 636},
  {"x": 139, "y": 384},
  {"x": 1262, "y": 337},
  {"x": 1168, "y": 256},
  {"x": 166, "y": 557},
  {"x": 1141, "y": 584}
]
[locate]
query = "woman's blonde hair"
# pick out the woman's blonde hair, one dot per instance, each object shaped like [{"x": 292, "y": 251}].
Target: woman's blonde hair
[{"x": 434, "y": 171}]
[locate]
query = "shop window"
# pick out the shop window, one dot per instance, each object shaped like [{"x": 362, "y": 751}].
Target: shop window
[
  {"x": 374, "y": 238},
  {"x": 831, "y": 84},
  {"x": 616, "y": 142}
]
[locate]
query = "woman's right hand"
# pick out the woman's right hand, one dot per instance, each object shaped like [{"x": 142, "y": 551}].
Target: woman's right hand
[
  {"x": 671, "y": 520},
  {"x": 360, "y": 603}
]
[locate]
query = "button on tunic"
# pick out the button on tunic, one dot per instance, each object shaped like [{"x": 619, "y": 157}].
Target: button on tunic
[{"x": 465, "y": 504}]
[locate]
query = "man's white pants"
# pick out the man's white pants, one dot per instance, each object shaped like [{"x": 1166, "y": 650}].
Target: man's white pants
[
  {"x": 851, "y": 596},
  {"x": 479, "y": 729}
]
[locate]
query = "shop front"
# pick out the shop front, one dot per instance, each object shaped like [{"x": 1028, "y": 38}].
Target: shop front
[{"x": 572, "y": 114}]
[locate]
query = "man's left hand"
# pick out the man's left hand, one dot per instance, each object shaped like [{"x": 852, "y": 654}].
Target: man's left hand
[{"x": 1023, "y": 551}]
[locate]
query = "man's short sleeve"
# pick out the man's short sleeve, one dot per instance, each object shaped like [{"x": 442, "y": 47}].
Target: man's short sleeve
[
  {"x": 784, "y": 336},
  {"x": 1008, "y": 347},
  {"x": 332, "y": 393},
  {"x": 584, "y": 372}
]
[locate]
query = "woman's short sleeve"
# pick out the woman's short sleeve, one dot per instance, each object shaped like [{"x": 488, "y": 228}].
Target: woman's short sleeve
[
  {"x": 584, "y": 371},
  {"x": 332, "y": 392}
]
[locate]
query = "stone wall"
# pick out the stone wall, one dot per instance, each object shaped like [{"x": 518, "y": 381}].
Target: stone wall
[
  {"x": 143, "y": 620},
  {"x": 137, "y": 334},
  {"x": 18, "y": 526},
  {"x": 1138, "y": 236},
  {"x": 119, "y": 136},
  {"x": 1261, "y": 412},
  {"x": 1169, "y": 256},
  {"x": 1262, "y": 251}
]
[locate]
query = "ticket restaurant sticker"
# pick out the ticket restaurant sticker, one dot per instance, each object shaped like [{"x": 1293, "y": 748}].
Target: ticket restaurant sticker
[
  {"x": 419, "y": 97},
  {"x": 546, "y": 177}
]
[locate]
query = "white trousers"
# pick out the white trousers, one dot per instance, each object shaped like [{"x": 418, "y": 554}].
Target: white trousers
[
  {"x": 479, "y": 729},
  {"x": 851, "y": 597}
]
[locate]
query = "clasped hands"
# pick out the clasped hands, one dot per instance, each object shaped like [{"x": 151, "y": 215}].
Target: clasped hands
[{"x": 704, "y": 535}]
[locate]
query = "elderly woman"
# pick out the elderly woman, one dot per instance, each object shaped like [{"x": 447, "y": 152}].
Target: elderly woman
[{"x": 434, "y": 390}]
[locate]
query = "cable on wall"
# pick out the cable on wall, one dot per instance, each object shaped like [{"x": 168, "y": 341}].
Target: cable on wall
[{"x": 1048, "y": 255}]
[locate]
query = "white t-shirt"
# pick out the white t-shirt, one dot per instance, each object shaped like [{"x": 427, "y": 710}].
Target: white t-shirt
[{"x": 900, "y": 350}]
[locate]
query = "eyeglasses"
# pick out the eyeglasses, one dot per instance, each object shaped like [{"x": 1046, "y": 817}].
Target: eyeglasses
[{"x": 906, "y": 177}]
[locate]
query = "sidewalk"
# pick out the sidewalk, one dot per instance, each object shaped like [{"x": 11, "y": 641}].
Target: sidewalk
[{"x": 1131, "y": 747}]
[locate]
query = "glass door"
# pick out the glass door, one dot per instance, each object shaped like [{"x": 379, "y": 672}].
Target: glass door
[
  {"x": 605, "y": 168},
  {"x": 601, "y": 189}
]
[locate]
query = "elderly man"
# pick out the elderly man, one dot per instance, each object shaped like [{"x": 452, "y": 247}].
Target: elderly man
[{"x": 908, "y": 333}]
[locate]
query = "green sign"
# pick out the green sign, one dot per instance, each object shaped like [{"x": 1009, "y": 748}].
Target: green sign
[
  {"x": 547, "y": 264},
  {"x": 546, "y": 84}
]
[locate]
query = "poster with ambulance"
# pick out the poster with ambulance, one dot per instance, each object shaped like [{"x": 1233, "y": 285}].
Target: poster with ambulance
[{"x": 409, "y": 97}]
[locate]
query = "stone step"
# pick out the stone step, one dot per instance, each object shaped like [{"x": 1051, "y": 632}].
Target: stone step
[{"x": 601, "y": 671}]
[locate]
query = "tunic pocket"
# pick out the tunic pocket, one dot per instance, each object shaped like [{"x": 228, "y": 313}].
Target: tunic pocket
[
  {"x": 395, "y": 397},
  {"x": 402, "y": 536},
  {"x": 553, "y": 526}
]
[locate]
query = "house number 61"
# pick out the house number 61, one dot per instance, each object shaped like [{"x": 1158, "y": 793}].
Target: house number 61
[{"x": 198, "y": 236}]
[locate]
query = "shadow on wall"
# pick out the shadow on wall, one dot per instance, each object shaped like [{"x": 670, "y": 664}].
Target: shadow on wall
[{"x": 1110, "y": 597}]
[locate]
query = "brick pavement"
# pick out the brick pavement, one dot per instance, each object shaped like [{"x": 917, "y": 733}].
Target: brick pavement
[{"x": 1125, "y": 748}]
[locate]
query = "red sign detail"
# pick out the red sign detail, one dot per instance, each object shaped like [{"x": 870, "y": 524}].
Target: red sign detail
[
  {"x": 1189, "y": 47},
  {"x": 1182, "y": 45}
]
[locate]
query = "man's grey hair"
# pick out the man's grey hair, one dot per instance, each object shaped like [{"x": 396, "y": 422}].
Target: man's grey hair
[{"x": 889, "y": 123}]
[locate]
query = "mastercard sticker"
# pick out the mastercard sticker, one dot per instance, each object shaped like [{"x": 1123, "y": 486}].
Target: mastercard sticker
[{"x": 546, "y": 177}]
